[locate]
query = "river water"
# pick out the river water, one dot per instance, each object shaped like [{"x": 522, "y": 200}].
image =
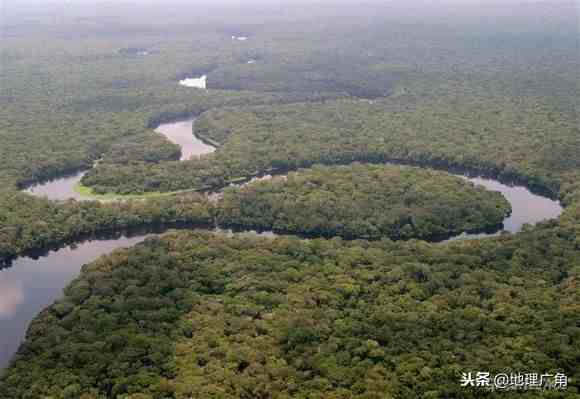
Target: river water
[
  {"x": 181, "y": 133},
  {"x": 32, "y": 284},
  {"x": 59, "y": 189},
  {"x": 197, "y": 83},
  {"x": 527, "y": 207}
]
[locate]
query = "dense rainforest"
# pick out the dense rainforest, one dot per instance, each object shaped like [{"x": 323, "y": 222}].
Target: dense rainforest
[
  {"x": 197, "y": 315},
  {"x": 44, "y": 223},
  {"x": 486, "y": 89},
  {"x": 493, "y": 137},
  {"x": 365, "y": 201},
  {"x": 81, "y": 99}
]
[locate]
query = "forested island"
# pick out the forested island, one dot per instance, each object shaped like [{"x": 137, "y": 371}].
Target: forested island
[
  {"x": 365, "y": 201},
  {"x": 333, "y": 95}
]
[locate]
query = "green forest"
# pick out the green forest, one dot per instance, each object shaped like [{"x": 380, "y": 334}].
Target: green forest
[
  {"x": 365, "y": 201},
  {"x": 30, "y": 223},
  {"x": 325, "y": 95},
  {"x": 540, "y": 150},
  {"x": 197, "y": 315}
]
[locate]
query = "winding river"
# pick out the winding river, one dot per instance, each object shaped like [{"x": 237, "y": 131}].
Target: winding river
[
  {"x": 527, "y": 207},
  {"x": 33, "y": 283},
  {"x": 179, "y": 132}
]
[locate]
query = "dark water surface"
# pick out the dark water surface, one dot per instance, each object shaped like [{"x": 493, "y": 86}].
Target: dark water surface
[{"x": 30, "y": 285}]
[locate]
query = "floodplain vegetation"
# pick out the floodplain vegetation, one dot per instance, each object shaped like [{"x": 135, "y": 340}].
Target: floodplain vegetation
[
  {"x": 201, "y": 315},
  {"x": 365, "y": 201}
]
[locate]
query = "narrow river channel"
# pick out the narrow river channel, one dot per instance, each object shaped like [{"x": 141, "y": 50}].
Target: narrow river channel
[
  {"x": 527, "y": 207},
  {"x": 179, "y": 132}
]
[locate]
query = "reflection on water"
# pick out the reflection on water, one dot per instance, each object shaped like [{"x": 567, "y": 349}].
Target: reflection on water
[
  {"x": 259, "y": 233},
  {"x": 181, "y": 133},
  {"x": 133, "y": 51},
  {"x": 62, "y": 188},
  {"x": 527, "y": 207},
  {"x": 198, "y": 83},
  {"x": 31, "y": 284},
  {"x": 11, "y": 296}
]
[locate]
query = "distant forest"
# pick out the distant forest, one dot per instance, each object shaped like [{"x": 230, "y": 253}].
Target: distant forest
[{"x": 329, "y": 92}]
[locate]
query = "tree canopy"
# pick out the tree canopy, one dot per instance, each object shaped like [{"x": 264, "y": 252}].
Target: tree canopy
[
  {"x": 198, "y": 315},
  {"x": 484, "y": 88},
  {"x": 365, "y": 201}
]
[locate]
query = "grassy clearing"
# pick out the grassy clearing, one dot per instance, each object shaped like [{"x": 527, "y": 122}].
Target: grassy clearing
[{"x": 89, "y": 193}]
